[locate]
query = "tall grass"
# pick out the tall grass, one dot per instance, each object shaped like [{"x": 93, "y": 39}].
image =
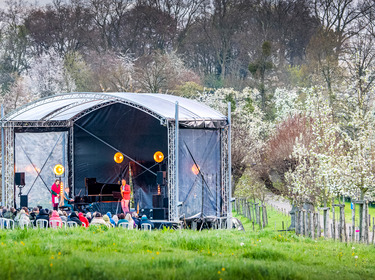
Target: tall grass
[{"x": 79, "y": 253}]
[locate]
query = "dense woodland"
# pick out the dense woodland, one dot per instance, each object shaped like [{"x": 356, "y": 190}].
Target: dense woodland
[{"x": 298, "y": 73}]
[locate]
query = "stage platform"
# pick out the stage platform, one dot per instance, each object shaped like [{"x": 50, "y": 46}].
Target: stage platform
[{"x": 160, "y": 224}]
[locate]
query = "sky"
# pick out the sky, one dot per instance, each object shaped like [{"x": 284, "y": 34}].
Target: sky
[{"x": 39, "y": 2}]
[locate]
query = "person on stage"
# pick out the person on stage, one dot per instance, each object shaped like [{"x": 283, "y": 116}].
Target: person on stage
[
  {"x": 67, "y": 200},
  {"x": 125, "y": 193},
  {"x": 55, "y": 190}
]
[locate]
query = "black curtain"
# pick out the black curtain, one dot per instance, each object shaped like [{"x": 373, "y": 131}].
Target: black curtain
[{"x": 131, "y": 131}]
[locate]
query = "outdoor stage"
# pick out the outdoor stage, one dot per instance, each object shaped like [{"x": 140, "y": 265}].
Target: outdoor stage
[{"x": 84, "y": 131}]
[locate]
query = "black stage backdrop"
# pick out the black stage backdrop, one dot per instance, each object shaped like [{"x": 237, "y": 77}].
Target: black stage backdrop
[{"x": 129, "y": 130}]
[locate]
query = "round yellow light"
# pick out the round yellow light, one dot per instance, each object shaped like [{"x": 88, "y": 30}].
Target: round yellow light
[
  {"x": 195, "y": 168},
  {"x": 59, "y": 169},
  {"x": 118, "y": 157},
  {"x": 158, "y": 156}
]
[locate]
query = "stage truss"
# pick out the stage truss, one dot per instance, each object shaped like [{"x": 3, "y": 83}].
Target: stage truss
[
  {"x": 47, "y": 122},
  {"x": 172, "y": 164},
  {"x": 225, "y": 172},
  {"x": 8, "y": 175}
]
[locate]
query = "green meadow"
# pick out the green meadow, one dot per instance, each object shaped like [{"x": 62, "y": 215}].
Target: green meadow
[{"x": 93, "y": 253}]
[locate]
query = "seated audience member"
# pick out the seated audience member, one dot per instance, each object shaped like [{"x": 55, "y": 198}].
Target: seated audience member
[
  {"x": 62, "y": 216},
  {"x": 111, "y": 219},
  {"x": 145, "y": 220},
  {"x": 68, "y": 200},
  {"x": 98, "y": 220},
  {"x": 136, "y": 220},
  {"x": 43, "y": 215},
  {"x": 122, "y": 219},
  {"x": 131, "y": 221},
  {"x": 106, "y": 219},
  {"x": 115, "y": 218},
  {"x": 74, "y": 218},
  {"x": 11, "y": 214},
  {"x": 89, "y": 217},
  {"x": 4, "y": 211},
  {"x": 26, "y": 211},
  {"x": 55, "y": 217},
  {"x": 83, "y": 219},
  {"x": 33, "y": 214},
  {"x": 17, "y": 217},
  {"x": 49, "y": 212},
  {"x": 23, "y": 218}
]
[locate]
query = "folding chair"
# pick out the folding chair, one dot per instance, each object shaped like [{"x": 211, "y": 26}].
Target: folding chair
[
  {"x": 124, "y": 225},
  {"x": 146, "y": 226},
  {"x": 72, "y": 224},
  {"x": 42, "y": 223},
  {"x": 55, "y": 224},
  {"x": 8, "y": 224},
  {"x": 24, "y": 224}
]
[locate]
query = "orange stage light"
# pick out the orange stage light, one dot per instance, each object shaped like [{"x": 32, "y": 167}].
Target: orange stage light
[
  {"x": 118, "y": 157},
  {"x": 195, "y": 169},
  {"x": 59, "y": 169},
  {"x": 158, "y": 156}
]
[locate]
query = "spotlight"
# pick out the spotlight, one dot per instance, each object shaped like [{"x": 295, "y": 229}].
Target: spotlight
[
  {"x": 58, "y": 170},
  {"x": 118, "y": 157},
  {"x": 195, "y": 169},
  {"x": 158, "y": 156}
]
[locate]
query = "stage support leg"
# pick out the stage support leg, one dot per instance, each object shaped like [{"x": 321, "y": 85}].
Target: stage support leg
[
  {"x": 2, "y": 159},
  {"x": 229, "y": 204},
  {"x": 176, "y": 218}
]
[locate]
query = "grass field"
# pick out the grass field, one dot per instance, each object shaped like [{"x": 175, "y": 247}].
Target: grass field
[{"x": 210, "y": 254}]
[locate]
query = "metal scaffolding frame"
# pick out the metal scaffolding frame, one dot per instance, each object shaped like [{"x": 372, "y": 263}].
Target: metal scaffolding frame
[
  {"x": 8, "y": 175},
  {"x": 224, "y": 171},
  {"x": 71, "y": 158},
  {"x": 47, "y": 122},
  {"x": 171, "y": 171}
]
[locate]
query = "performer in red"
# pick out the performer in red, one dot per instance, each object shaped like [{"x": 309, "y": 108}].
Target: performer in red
[
  {"x": 55, "y": 190},
  {"x": 125, "y": 193}
]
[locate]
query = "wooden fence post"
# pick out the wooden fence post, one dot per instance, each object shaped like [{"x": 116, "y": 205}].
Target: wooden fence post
[
  {"x": 333, "y": 223},
  {"x": 366, "y": 223},
  {"x": 318, "y": 230},
  {"x": 296, "y": 221},
  {"x": 264, "y": 215},
  {"x": 353, "y": 222},
  {"x": 249, "y": 210},
  {"x": 265, "y": 210},
  {"x": 257, "y": 213}
]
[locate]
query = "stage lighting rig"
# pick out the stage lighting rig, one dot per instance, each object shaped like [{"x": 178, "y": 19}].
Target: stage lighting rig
[
  {"x": 58, "y": 170},
  {"x": 118, "y": 157},
  {"x": 158, "y": 156}
]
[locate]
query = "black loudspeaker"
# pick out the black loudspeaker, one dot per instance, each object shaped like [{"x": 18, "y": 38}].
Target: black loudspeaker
[
  {"x": 23, "y": 201},
  {"x": 160, "y": 177},
  {"x": 19, "y": 178},
  {"x": 146, "y": 211},
  {"x": 157, "y": 201},
  {"x": 165, "y": 202},
  {"x": 159, "y": 214}
]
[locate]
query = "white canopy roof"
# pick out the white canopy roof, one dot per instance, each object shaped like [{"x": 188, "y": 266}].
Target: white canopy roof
[{"x": 70, "y": 105}]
